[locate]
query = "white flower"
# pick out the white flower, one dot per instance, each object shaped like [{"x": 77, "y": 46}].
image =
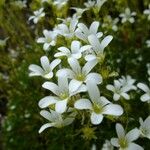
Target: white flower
[
  {"x": 56, "y": 120},
  {"x": 119, "y": 90},
  {"x": 98, "y": 47},
  {"x": 93, "y": 147},
  {"x": 80, "y": 75},
  {"x": 60, "y": 3},
  {"x": 146, "y": 89},
  {"x": 128, "y": 82},
  {"x": 63, "y": 92},
  {"x": 148, "y": 43},
  {"x": 89, "y": 4},
  {"x": 98, "y": 105},
  {"x": 79, "y": 11},
  {"x": 46, "y": 70},
  {"x": 107, "y": 146},
  {"x": 37, "y": 15},
  {"x": 147, "y": 12},
  {"x": 99, "y": 4},
  {"x": 125, "y": 141},
  {"x": 128, "y": 16},
  {"x": 82, "y": 32},
  {"x": 145, "y": 127},
  {"x": 111, "y": 23},
  {"x": 67, "y": 31},
  {"x": 75, "y": 51},
  {"x": 49, "y": 39}
]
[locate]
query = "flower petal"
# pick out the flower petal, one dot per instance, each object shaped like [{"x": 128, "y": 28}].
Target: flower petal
[
  {"x": 95, "y": 77},
  {"x": 83, "y": 104},
  {"x": 74, "y": 85},
  {"x": 54, "y": 63},
  {"x": 52, "y": 87},
  {"x": 45, "y": 126},
  {"x": 133, "y": 135},
  {"x": 113, "y": 109},
  {"x": 120, "y": 131},
  {"x": 96, "y": 118},
  {"x": 61, "y": 106}
]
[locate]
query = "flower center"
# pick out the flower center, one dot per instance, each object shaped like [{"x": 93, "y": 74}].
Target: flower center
[
  {"x": 63, "y": 95},
  {"x": 80, "y": 77},
  {"x": 123, "y": 143},
  {"x": 48, "y": 39},
  {"x": 97, "y": 108}
]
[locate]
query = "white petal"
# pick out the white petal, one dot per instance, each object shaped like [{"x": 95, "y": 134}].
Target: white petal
[
  {"x": 46, "y": 115},
  {"x": 95, "y": 77},
  {"x": 83, "y": 28},
  {"x": 65, "y": 73},
  {"x": 46, "y": 46},
  {"x": 36, "y": 69},
  {"x": 94, "y": 27},
  {"x": 64, "y": 49},
  {"x": 54, "y": 63},
  {"x": 143, "y": 87},
  {"x": 145, "y": 97},
  {"x": 41, "y": 40},
  {"x": 125, "y": 95},
  {"x": 116, "y": 97},
  {"x": 90, "y": 57},
  {"x": 120, "y": 131},
  {"x": 81, "y": 36},
  {"x": 74, "y": 85},
  {"x": 59, "y": 54},
  {"x": 133, "y": 146},
  {"x": 75, "y": 46},
  {"x": 93, "y": 40},
  {"x": 106, "y": 41},
  {"x": 61, "y": 106},
  {"x": 133, "y": 135},
  {"x": 110, "y": 87},
  {"x": 83, "y": 104},
  {"x": 96, "y": 118},
  {"x": 89, "y": 66},
  {"x": 52, "y": 87},
  {"x": 113, "y": 109},
  {"x": 45, "y": 126},
  {"x": 93, "y": 90},
  {"x": 46, "y": 101},
  {"x": 48, "y": 75},
  {"x": 74, "y": 64},
  {"x": 45, "y": 63},
  {"x": 63, "y": 83},
  {"x": 115, "y": 142}
]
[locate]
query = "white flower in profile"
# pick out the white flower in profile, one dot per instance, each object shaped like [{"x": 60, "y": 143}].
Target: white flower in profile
[
  {"x": 79, "y": 11},
  {"x": 128, "y": 16},
  {"x": 148, "y": 43},
  {"x": 63, "y": 91},
  {"x": 107, "y": 145},
  {"x": 128, "y": 82},
  {"x": 98, "y": 105},
  {"x": 125, "y": 141},
  {"x": 38, "y": 14},
  {"x": 75, "y": 51},
  {"x": 147, "y": 12},
  {"x": 99, "y": 4},
  {"x": 146, "y": 89},
  {"x": 119, "y": 90},
  {"x": 98, "y": 47},
  {"x": 60, "y": 3},
  {"x": 56, "y": 119},
  {"x": 80, "y": 75},
  {"x": 46, "y": 70},
  {"x": 48, "y": 40},
  {"x": 82, "y": 32},
  {"x": 145, "y": 127},
  {"x": 65, "y": 30},
  {"x": 89, "y": 4}
]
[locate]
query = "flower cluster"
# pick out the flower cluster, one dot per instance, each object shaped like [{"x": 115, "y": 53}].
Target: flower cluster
[{"x": 75, "y": 79}]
